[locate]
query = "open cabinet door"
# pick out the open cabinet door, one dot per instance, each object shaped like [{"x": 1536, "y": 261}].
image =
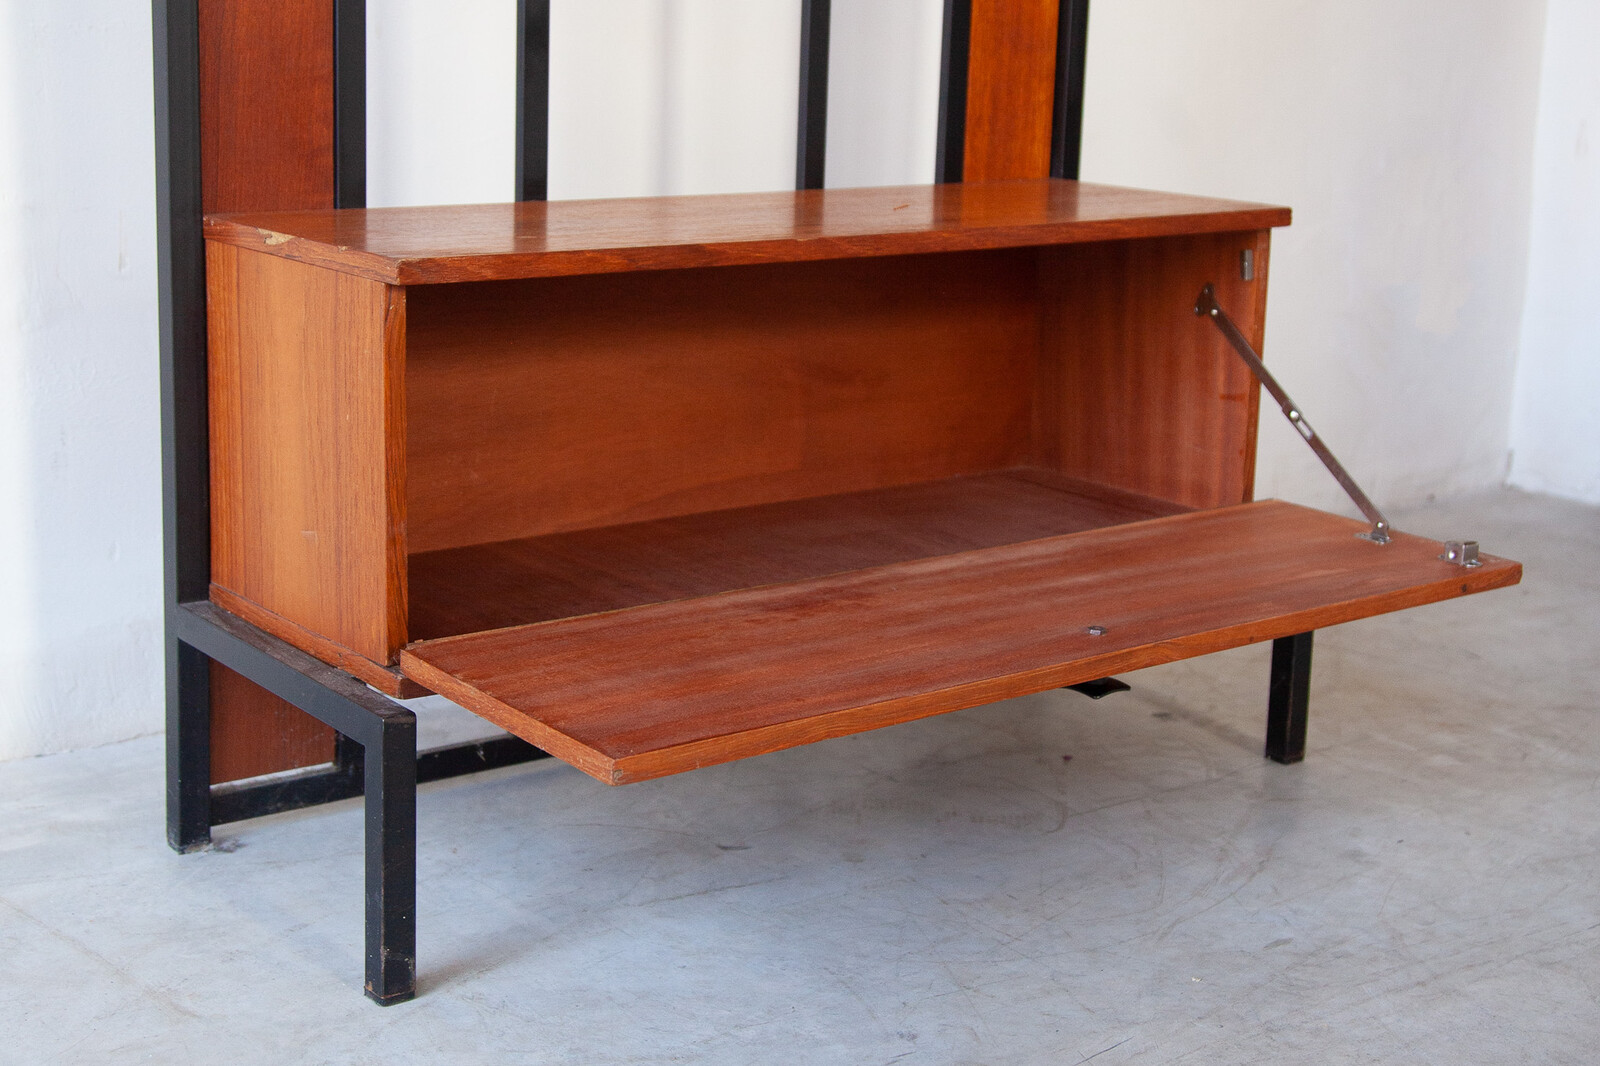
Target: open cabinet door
[{"x": 652, "y": 690}]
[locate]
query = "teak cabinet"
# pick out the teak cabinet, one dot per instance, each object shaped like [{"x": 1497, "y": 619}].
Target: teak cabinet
[{"x": 660, "y": 483}]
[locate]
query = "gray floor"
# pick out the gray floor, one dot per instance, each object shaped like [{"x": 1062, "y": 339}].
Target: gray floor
[{"x": 1045, "y": 880}]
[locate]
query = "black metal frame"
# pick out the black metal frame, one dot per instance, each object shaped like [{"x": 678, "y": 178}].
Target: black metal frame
[
  {"x": 1289, "y": 698},
  {"x": 350, "y": 103},
  {"x": 950, "y": 156},
  {"x": 533, "y": 100},
  {"x": 376, "y": 753},
  {"x": 1066, "y": 129},
  {"x": 811, "y": 127}
]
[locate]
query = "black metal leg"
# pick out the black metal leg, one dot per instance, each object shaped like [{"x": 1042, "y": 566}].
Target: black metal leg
[
  {"x": 1288, "y": 698},
  {"x": 391, "y": 800},
  {"x": 188, "y": 747}
]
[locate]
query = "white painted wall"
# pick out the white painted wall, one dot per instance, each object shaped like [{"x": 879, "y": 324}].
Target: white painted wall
[
  {"x": 446, "y": 76},
  {"x": 883, "y": 92},
  {"x": 1555, "y": 426},
  {"x": 80, "y": 480},
  {"x": 1401, "y": 132},
  {"x": 647, "y": 97}
]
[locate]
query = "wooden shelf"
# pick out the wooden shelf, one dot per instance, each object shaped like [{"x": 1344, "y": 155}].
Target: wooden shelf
[
  {"x": 639, "y": 693},
  {"x": 488, "y": 242},
  {"x": 536, "y": 579}
]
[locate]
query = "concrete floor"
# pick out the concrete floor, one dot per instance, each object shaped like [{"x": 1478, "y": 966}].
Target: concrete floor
[{"x": 1046, "y": 880}]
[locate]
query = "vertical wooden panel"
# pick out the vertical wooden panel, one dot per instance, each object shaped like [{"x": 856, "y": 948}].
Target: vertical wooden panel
[
  {"x": 265, "y": 734},
  {"x": 1011, "y": 85},
  {"x": 1138, "y": 392},
  {"x": 307, "y": 408},
  {"x": 266, "y": 104},
  {"x": 266, "y": 143}
]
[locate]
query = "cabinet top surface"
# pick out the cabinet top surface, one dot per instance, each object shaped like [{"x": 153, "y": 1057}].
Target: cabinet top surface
[{"x": 484, "y": 242}]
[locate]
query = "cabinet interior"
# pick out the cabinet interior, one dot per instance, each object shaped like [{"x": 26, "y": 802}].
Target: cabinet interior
[{"x": 588, "y": 443}]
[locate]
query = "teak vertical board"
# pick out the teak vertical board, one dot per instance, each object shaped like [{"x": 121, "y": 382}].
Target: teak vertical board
[
  {"x": 266, "y": 733},
  {"x": 307, "y": 396},
  {"x": 266, "y": 143},
  {"x": 1011, "y": 68},
  {"x": 1137, "y": 392},
  {"x": 266, "y": 104},
  {"x": 556, "y": 404}
]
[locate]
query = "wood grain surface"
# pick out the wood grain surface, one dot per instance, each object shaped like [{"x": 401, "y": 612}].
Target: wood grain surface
[
  {"x": 266, "y": 144},
  {"x": 1011, "y": 89},
  {"x": 307, "y": 447},
  {"x": 385, "y": 678},
  {"x": 1136, "y": 390},
  {"x": 569, "y": 403},
  {"x": 427, "y": 245},
  {"x": 491, "y": 586},
  {"x": 266, "y": 104},
  {"x": 264, "y": 733},
  {"x": 668, "y": 687}
]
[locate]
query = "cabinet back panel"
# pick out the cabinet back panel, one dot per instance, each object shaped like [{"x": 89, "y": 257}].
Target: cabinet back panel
[{"x": 556, "y": 404}]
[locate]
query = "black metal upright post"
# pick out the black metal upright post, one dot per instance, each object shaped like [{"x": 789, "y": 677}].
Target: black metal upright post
[
  {"x": 1066, "y": 132},
  {"x": 950, "y": 155},
  {"x": 349, "y": 103},
  {"x": 1289, "y": 698},
  {"x": 811, "y": 147},
  {"x": 186, "y": 538},
  {"x": 391, "y": 845},
  {"x": 533, "y": 100}
]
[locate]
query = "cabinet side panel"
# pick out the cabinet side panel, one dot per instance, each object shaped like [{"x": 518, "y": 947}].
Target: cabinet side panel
[
  {"x": 307, "y": 448},
  {"x": 569, "y": 403},
  {"x": 1010, "y": 89},
  {"x": 1135, "y": 390}
]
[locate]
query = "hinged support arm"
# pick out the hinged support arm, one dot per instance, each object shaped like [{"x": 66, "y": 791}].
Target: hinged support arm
[{"x": 1206, "y": 304}]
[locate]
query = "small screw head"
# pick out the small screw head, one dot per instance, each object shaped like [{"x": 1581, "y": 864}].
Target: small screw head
[{"x": 1096, "y": 631}]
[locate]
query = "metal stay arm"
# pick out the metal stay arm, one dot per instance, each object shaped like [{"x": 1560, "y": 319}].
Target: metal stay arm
[{"x": 1206, "y": 304}]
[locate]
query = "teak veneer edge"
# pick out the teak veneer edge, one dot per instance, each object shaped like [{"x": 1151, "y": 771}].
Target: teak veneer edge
[{"x": 486, "y": 242}]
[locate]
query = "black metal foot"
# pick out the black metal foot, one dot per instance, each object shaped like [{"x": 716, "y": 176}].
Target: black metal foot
[
  {"x": 1101, "y": 687},
  {"x": 387, "y": 769},
  {"x": 391, "y": 800},
  {"x": 188, "y": 747},
  {"x": 1288, "y": 698}
]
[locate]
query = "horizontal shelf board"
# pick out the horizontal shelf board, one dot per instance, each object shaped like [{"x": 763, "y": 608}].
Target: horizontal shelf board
[
  {"x": 486, "y": 242},
  {"x": 654, "y": 690},
  {"x": 559, "y": 575}
]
